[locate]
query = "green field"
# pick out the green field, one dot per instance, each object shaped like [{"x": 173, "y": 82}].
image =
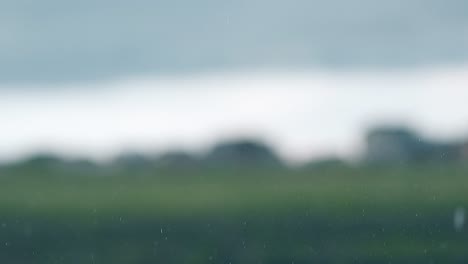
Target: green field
[{"x": 331, "y": 215}]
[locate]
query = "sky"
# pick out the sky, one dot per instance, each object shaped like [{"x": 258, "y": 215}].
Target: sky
[
  {"x": 63, "y": 41},
  {"x": 304, "y": 115},
  {"x": 94, "y": 78}
]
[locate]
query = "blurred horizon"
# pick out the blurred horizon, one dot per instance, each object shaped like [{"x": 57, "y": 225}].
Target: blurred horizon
[
  {"x": 240, "y": 132},
  {"x": 305, "y": 115}
]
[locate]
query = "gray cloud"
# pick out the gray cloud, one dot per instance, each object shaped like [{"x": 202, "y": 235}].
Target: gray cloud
[{"x": 63, "y": 41}]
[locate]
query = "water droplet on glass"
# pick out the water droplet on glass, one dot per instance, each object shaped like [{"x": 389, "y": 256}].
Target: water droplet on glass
[{"x": 459, "y": 218}]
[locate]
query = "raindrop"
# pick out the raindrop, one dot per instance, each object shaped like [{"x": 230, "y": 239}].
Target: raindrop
[{"x": 459, "y": 218}]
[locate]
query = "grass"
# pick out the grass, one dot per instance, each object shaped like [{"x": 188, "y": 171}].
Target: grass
[{"x": 334, "y": 215}]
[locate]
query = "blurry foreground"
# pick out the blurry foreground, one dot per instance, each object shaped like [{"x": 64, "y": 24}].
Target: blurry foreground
[{"x": 243, "y": 207}]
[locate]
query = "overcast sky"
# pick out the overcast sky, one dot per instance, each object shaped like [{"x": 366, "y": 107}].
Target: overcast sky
[
  {"x": 95, "y": 78},
  {"x": 302, "y": 114},
  {"x": 69, "y": 41}
]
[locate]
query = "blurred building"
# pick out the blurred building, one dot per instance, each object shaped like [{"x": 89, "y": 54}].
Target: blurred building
[{"x": 399, "y": 145}]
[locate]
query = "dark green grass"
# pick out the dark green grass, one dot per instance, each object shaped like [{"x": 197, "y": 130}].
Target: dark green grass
[{"x": 334, "y": 215}]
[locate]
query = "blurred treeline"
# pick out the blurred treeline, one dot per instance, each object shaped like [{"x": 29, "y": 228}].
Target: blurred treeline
[{"x": 384, "y": 145}]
